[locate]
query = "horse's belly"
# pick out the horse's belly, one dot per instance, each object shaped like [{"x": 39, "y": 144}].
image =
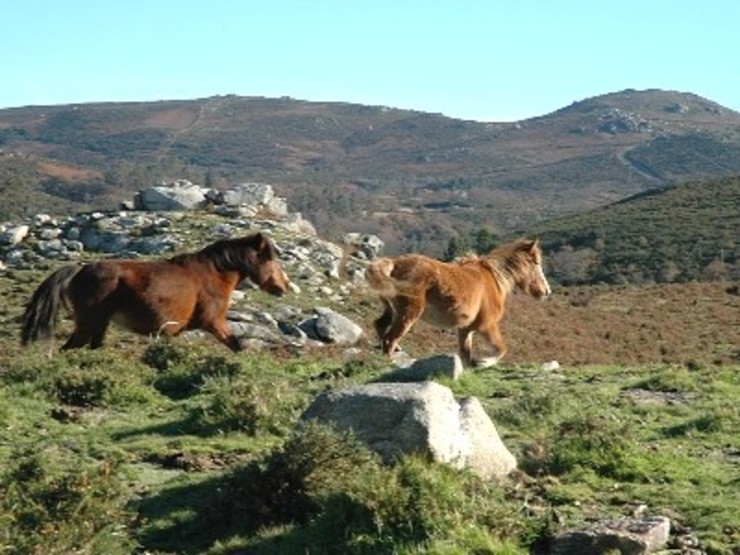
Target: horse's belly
[
  {"x": 441, "y": 317},
  {"x": 146, "y": 326}
]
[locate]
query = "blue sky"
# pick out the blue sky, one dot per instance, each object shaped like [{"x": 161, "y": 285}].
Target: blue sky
[{"x": 485, "y": 60}]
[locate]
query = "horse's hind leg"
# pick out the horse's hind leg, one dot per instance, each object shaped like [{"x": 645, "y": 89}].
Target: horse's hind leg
[
  {"x": 79, "y": 338},
  {"x": 465, "y": 342},
  {"x": 383, "y": 324},
  {"x": 406, "y": 311},
  {"x": 97, "y": 339},
  {"x": 88, "y": 331}
]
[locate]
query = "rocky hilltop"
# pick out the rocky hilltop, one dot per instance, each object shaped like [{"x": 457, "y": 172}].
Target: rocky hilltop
[{"x": 414, "y": 179}]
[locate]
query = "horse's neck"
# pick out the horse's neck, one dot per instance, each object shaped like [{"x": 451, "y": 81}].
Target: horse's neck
[{"x": 501, "y": 273}]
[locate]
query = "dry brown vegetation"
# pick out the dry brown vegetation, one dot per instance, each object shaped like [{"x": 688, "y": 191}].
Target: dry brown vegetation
[{"x": 694, "y": 323}]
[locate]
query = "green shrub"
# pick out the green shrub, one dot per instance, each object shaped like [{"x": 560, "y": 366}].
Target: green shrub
[
  {"x": 163, "y": 355},
  {"x": 233, "y": 405},
  {"x": 182, "y": 369},
  {"x": 334, "y": 496},
  {"x": 80, "y": 388},
  {"x": 53, "y": 501},
  {"x": 592, "y": 441},
  {"x": 85, "y": 378}
]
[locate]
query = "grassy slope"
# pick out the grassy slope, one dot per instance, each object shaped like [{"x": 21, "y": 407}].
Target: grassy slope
[
  {"x": 177, "y": 448},
  {"x": 175, "y": 461}
]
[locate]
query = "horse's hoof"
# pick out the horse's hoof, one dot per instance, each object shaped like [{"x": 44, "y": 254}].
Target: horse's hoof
[{"x": 485, "y": 362}]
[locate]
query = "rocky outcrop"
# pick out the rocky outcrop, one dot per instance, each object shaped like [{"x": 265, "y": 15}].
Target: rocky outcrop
[
  {"x": 615, "y": 121},
  {"x": 179, "y": 225}
]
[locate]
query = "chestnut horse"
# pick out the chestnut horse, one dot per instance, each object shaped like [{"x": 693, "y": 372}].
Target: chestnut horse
[
  {"x": 467, "y": 294},
  {"x": 185, "y": 292}
]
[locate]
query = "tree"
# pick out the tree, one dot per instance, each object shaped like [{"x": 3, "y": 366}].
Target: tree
[
  {"x": 456, "y": 246},
  {"x": 485, "y": 241}
]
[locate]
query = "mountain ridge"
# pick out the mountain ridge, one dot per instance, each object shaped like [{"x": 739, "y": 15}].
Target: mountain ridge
[{"x": 411, "y": 177}]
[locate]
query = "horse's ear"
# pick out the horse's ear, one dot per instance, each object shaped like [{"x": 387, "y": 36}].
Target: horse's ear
[
  {"x": 531, "y": 246},
  {"x": 263, "y": 246}
]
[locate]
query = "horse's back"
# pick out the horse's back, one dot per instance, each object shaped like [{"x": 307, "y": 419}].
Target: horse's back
[
  {"x": 141, "y": 296},
  {"x": 451, "y": 293}
]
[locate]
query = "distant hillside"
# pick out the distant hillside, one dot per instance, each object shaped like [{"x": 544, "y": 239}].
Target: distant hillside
[
  {"x": 684, "y": 233},
  {"x": 416, "y": 179}
]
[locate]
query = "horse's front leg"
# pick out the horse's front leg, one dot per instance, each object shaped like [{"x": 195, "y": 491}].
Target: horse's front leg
[
  {"x": 465, "y": 345},
  {"x": 492, "y": 334},
  {"x": 221, "y": 331},
  {"x": 383, "y": 324}
]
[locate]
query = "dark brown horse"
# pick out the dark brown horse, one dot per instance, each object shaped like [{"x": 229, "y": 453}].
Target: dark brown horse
[
  {"x": 467, "y": 294},
  {"x": 186, "y": 292}
]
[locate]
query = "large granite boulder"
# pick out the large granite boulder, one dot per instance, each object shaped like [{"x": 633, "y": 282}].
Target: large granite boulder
[
  {"x": 180, "y": 195},
  {"x": 395, "y": 419}
]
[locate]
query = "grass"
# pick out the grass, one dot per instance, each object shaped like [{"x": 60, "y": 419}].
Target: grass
[{"x": 184, "y": 448}]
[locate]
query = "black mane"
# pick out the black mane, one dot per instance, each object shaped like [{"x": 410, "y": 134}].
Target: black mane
[{"x": 234, "y": 255}]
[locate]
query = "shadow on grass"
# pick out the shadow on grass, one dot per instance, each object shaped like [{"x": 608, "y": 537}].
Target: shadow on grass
[
  {"x": 172, "y": 518},
  {"x": 193, "y": 518},
  {"x": 192, "y": 424}
]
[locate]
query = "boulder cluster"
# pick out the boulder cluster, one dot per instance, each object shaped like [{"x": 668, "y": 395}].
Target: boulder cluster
[
  {"x": 614, "y": 121},
  {"x": 164, "y": 220}
]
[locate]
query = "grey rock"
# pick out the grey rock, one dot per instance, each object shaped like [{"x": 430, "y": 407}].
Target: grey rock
[
  {"x": 365, "y": 246},
  {"x": 627, "y": 536},
  {"x": 440, "y": 366},
  {"x": 155, "y": 245},
  {"x": 246, "y": 330},
  {"x": 49, "y": 233},
  {"x": 331, "y": 327},
  {"x": 250, "y": 194},
  {"x": 400, "y": 419},
  {"x": 181, "y": 195}
]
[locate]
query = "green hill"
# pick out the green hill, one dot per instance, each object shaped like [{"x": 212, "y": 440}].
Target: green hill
[{"x": 683, "y": 233}]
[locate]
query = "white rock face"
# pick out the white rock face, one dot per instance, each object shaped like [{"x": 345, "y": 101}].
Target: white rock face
[
  {"x": 14, "y": 235},
  {"x": 169, "y": 198}
]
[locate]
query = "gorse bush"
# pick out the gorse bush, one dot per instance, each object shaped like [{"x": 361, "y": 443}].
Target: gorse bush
[
  {"x": 85, "y": 378},
  {"x": 54, "y": 501},
  {"x": 340, "y": 498},
  {"x": 182, "y": 370},
  {"x": 232, "y": 405}
]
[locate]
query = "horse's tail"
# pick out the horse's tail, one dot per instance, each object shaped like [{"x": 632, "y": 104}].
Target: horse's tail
[
  {"x": 42, "y": 310},
  {"x": 378, "y": 277}
]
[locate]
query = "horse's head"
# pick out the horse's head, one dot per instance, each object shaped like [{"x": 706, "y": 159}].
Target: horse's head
[
  {"x": 529, "y": 275},
  {"x": 265, "y": 270}
]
